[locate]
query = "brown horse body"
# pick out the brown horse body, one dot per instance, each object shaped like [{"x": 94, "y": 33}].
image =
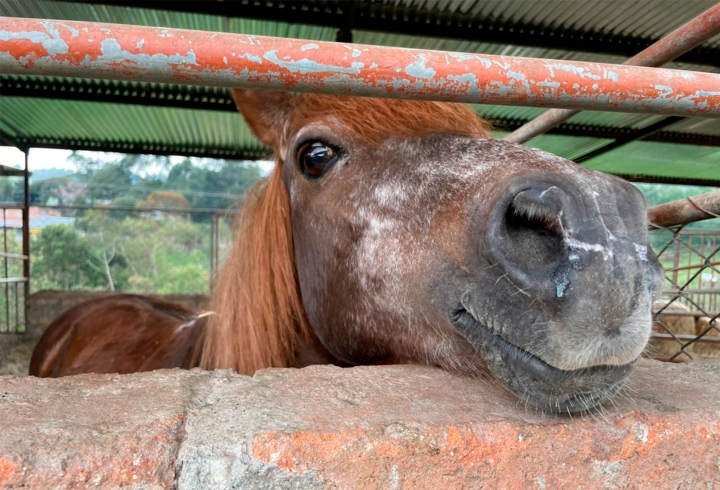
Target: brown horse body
[
  {"x": 122, "y": 333},
  {"x": 398, "y": 231}
]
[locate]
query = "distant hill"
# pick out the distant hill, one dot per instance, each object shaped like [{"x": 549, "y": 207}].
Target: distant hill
[{"x": 49, "y": 173}]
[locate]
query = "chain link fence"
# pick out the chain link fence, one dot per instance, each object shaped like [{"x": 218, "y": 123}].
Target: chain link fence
[{"x": 686, "y": 315}]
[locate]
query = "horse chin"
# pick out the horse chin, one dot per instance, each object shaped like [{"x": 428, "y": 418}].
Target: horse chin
[{"x": 536, "y": 382}]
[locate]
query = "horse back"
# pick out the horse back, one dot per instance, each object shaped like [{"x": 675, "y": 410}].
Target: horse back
[{"x": 120, "y": 333}]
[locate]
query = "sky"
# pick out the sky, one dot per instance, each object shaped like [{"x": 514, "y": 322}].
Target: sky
[{"x": 41, "y": 158}]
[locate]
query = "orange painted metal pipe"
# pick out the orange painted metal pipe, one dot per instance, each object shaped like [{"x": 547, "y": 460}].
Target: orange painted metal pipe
[
  {"x": 678, "y": 42},
  {"x": 684, "y": 211},
  {"x": 124, "y": 52}
]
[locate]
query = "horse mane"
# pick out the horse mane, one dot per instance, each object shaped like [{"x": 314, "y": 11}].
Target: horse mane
[
  {"x": 374, "y": 120},
  {"x": 260, "y": 320},
  {"x": 259, "y": 315}
]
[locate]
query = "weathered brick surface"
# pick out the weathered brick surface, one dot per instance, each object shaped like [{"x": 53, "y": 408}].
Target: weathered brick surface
[
  {"x": 99, "y": 431},
  {"x": 379, "y": 427}
]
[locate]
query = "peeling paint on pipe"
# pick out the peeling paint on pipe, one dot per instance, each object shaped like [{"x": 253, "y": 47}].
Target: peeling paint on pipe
[
  {"x": 678, "y": 42},
  {"x": 684, "y": 211},
  {"x": 124, "y": 52}
]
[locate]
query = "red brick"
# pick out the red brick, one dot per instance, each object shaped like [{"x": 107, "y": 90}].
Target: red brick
[
  {"x": 377, "y": 427},
  {"x": 107, "y": 431}
]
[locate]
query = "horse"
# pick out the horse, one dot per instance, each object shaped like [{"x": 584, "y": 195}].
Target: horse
[
  {"x": 119, "y": 333},
  {"x": 397, "y": 231}
]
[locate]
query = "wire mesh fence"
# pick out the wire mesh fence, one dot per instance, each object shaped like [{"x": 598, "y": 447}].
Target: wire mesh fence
[
  {"x": 686, "y": 315},
  {"x": 139, "y": 250}
]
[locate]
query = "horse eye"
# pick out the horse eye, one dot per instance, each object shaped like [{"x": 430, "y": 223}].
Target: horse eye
[{"x": 315, "y": 158}]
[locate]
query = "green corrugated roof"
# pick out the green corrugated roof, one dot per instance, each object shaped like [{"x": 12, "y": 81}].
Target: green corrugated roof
[{"x": 43, "y": 118}]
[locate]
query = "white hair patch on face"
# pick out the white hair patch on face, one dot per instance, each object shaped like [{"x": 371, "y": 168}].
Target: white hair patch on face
[
  {"x": 575, "y": 244},
  {"x": 391, "y": 195},
  {"x": 641, "y": 251},
  {"x": 379, "y": 253}
]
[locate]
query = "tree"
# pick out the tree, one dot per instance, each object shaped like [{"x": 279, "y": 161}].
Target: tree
[
  {"x": 6, "y": 190},
  {"x": 109, "y": 182},
  {"x": 164, "y": 199},
  {"x": 60, "y": 260},
  {"x": 104, "y": 236}
]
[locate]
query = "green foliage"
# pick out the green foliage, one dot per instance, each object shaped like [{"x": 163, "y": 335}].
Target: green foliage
[
  {"x": 660, "y": 193},
  {"x": 133, "y": 251},
  {"x": 134, "y": 254},
  {"x": 122, "y": 202},
  {"x": 60, "y": 260},
  {"x": 6, "y": 190},
  {"x": 109, "y": 182}
]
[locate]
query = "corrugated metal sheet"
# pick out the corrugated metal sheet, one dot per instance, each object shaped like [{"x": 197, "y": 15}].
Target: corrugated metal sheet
[
  {"x": 662, "y": 160},
  {"x": 644, "y": 18},
  {"x": 47, "y": 118},
  {"x": 60, "y": 119}
]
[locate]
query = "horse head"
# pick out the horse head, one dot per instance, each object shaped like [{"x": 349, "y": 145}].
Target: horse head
[{"x": 400, "y": 231}]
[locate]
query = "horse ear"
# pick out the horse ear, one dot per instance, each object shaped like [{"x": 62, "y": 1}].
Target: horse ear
[{"x": 265, "y": 112}]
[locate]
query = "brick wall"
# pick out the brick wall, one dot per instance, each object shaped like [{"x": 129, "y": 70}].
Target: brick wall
[{"x": 387, "y": 427}]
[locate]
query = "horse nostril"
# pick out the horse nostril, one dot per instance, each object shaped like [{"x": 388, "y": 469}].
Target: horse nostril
[
  {"x": 527, "y": 237},
  {"x": 531, "y": 211},
  {"x": 533, "y": 227}
]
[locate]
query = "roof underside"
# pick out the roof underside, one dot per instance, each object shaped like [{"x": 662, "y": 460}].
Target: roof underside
[{"x": 138, "y": 117}]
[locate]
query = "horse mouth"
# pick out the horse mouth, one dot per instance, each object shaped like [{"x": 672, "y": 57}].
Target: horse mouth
[{"x": 536, "y": 382}]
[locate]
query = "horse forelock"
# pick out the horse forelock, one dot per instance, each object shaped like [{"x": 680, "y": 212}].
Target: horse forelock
[
  {"x": 373, "y": 120},
  {"x": 259, "y": 317}
]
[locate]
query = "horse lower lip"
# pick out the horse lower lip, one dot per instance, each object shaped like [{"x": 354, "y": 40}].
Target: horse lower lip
[{"x": 542, "y": 384}]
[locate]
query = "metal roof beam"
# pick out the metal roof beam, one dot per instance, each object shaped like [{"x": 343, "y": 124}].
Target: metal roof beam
[
  {"x": 653, "y": 179},
  {"x": 422, "y": 22},
  {"x": 220, "y": 99},
  {"x": 145, "y": 148},
  {"x": 634, "y": 136},
  {"x": 117, "y": 92}
]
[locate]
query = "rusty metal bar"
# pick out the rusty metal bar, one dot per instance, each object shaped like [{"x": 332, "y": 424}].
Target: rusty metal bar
[
  {"x": 694, "y": 266},
  {"x": 7, "y": 273},
  {"x": 213, "y": 248},
  {"x": 678, "y": 42},
  {"x": 696, "y": 313},
  {"x": 683, "y": 211},
  {"x": 26, "y": 232},
  {"x": 693, "y": 291},
  {"x": 123, "y": 52}
]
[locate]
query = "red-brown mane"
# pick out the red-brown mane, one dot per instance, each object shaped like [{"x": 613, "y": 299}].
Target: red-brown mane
[
  {"x": 373, "y": 120},
  {"x": 260, "y": 317}
]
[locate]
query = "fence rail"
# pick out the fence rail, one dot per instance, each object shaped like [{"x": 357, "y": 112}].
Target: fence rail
[
  {"x": 13, "y": 280},
  {"x": 126, "y": 52},
  {"x": 141, "y": 250}
]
